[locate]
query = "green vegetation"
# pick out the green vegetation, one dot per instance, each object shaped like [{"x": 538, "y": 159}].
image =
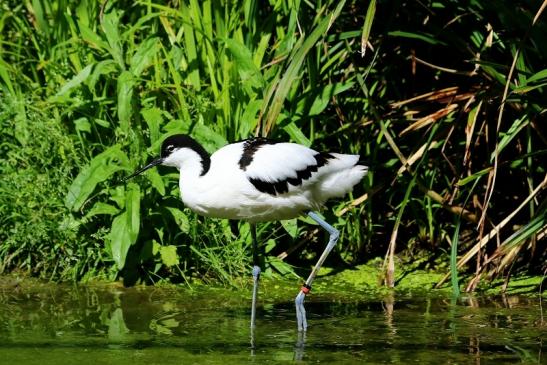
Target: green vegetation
[{"x": 444, "y": 99}]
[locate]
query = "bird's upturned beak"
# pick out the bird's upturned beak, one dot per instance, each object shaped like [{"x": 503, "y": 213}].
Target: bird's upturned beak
[{"x": 143, "y": 169}]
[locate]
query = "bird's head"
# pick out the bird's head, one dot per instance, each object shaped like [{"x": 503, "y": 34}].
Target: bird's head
[{"x": 177, "y": 151}]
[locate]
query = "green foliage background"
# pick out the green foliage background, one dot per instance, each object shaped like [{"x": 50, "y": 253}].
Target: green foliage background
[{"x": 89, "y": 90}]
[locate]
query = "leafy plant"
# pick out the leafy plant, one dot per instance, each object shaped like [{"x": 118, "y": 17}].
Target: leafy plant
[{"x": 443, "y": 99}]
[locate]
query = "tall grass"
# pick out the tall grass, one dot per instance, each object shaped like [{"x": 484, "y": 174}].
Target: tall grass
[{"x": 444, "y": 100}]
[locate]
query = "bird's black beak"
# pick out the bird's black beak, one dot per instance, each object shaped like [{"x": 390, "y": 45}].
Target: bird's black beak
[{"x": 143, "y": 169}]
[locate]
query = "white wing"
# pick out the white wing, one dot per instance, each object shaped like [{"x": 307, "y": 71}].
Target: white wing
[
  {"x": 277, "y": 168},
  {"x": 274, "y": 162}
]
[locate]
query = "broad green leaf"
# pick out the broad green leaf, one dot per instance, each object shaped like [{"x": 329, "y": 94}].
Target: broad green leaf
[
  {"x": 249, "y": 118},
  {"x": 291, "y": 227},
  {"x": 75, "y": 81},
  {"x": 101, "y": 122},
  {"x": 93, "y": 39},
  {"x": 99, "y": 169},
  {"x": 110, "y": 24},
  {"x": 155, "y": 179},
  {"x": 178, "y": 59},
  {"x": 281, "y": 266},
  {"x": 323, "y": 99},
  {"x": 5, "y": 69},
  {"x": 190, "y": 47},
  {"x": 270, "y": 245},
  {"x": 82, "y": 125},
  {"x": 249, "y": 73},
  {"x": 125, "y": 227},
  {"x": 154, "y": 119},
  {"x": 37, "y": 10},
  {"x": 82, "y": 13},
  {"x": 210, "y": 139},
  {"x": 120, "y": 239},
  {"x": 101, "y": 68},
  {"x": 144, "y": 55},
  {"x": 169, "y": 255},
  {"x": 180, "y": 218},
  {"x": 173, "y": 127},
  {"x": 133, "y": 208},
  {"x": 296, "y": 134},
  {"x": 197, "y": 19},
  {"x": 258, "y": 53},
  {"x": 102, "y": 208},
  {"x": 289, "y": 33},
  {"x": 207, "y": 19},
  {"x": 156, "y": 247},
  {"x": 131, "y": 31},
  {"x": 125, "y": 96},
  {"x": 117, "y": 195}
]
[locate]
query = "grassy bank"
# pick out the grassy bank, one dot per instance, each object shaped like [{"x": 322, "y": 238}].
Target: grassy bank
[{"x": 444, "y": 99}]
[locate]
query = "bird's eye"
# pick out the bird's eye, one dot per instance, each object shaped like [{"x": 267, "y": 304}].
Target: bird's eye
[{"x": 170, "y": 148}]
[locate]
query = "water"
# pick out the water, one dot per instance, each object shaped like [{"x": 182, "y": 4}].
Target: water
[{"x": 111, "y": 325}]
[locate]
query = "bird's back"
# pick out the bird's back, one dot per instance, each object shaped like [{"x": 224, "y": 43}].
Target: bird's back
[{"x": 260, "y": 180}]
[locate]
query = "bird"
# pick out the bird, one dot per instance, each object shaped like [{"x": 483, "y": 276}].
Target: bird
[{"x": 259, "y": 180}]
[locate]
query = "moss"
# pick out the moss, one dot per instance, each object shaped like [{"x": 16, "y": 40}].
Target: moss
[
  {"x": 522, "y": 284},
  {"x": 410, "y": 278},
  {"x": 368, "y": 277}
]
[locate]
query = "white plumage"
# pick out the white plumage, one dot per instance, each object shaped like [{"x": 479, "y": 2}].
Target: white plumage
[
  {"x": 261, "y": 180},
  {"x": 257, "y": 179}
]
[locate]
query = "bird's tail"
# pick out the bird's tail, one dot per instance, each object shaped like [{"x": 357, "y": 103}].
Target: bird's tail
[{"x": 346, "y": 173}]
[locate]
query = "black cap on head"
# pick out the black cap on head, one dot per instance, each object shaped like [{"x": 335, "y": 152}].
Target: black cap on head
[
  {"x": 170, "y": 145},
  {"x": 177, "y": 141}
]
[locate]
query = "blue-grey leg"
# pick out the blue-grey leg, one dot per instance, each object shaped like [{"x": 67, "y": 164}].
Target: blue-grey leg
[
  {"x": 299, "y": 301},
  {"x": 256, "y": 275}
]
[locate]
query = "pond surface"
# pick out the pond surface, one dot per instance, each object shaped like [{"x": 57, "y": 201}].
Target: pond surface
[{"x": 144, "y": 325}]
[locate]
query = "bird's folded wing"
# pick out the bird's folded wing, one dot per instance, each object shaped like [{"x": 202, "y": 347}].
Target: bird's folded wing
[{"x": 280, "y": 161}]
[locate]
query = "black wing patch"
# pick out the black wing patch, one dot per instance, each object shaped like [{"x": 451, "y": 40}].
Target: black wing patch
[
  {"x": 250, "y": 146},
  {"x": 282, "y": 186}
]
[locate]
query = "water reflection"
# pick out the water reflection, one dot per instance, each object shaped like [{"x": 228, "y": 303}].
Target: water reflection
[
  {"x": 300, "y": 345},
  {"x": 213, "y": 325}
]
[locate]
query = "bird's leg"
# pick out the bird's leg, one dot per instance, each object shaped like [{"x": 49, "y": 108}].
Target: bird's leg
[
  {"x": 299, "y": 301},
  {"x": 256, "y": 275}
]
